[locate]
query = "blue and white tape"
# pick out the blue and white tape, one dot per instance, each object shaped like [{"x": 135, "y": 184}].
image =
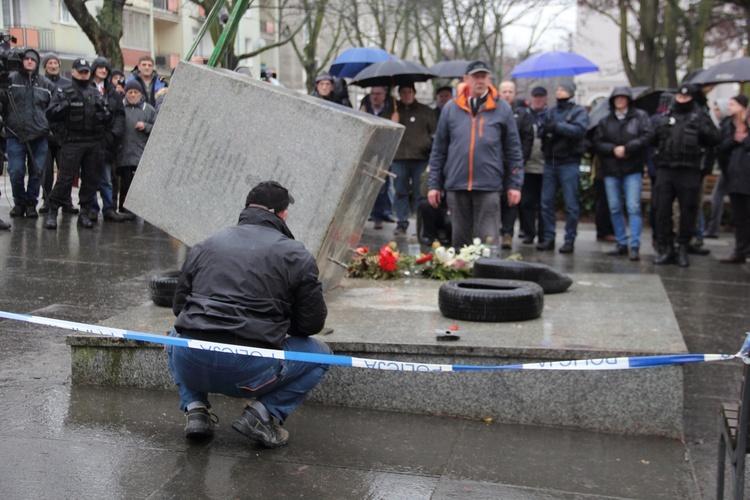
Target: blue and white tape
[{"x": 624, "y": 363}]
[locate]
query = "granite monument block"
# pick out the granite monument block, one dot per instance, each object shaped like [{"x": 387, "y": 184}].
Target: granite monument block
[{"x": 220, "y": 133}]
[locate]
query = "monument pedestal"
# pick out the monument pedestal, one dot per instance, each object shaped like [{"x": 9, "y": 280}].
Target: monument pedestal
[{"x": 600, "y": 316}]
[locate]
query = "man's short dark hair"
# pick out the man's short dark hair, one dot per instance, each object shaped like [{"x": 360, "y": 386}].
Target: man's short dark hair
[
  {"x": 270, "y": 194},
  {"x": 145, "y": 58}
]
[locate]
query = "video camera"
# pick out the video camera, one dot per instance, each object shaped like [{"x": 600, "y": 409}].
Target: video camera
[{"x": 11, "y": 59}]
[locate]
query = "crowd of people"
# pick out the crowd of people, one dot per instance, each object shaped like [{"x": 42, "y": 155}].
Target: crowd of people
[
  {"x": 470, "y": 166},
  {"x": 93, "y": 127},
  {"x": 489, "y": 159}
]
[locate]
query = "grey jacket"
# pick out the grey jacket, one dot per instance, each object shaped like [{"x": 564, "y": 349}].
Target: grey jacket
[
  {"x": 481, "y": 152},
  {"x": 134, "y": 141}
]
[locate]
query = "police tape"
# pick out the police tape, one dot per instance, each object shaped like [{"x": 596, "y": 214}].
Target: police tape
[{"x": 622, "y": 363}]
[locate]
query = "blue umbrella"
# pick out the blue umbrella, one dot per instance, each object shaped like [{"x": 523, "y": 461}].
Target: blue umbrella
[
  {"x": 352, "y": 61},
  {"x": 551, "y": 64}
]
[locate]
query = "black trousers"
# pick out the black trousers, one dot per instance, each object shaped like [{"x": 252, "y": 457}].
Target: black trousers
[
  {"x": 741, "y": 222},
  {"x": 685, "y": 184},
  {"x": 529, "y": 211},
  {"x": 602, "y": 217},
  {"x": 86, "y": 155},
  {"x": 54, "y": 155},
  {"x": 508, "y": 215},
  {"x": 125, "y": 174}
]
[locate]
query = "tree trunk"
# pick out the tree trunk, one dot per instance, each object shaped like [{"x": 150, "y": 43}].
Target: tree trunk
[{"x": 104, "y": 31}]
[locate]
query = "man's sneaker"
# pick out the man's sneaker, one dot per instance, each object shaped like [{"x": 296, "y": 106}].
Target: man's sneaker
[
  {"x": 618, "y": 250},
  {"x": 127, "y": 214},
  {"x": 200, "y": 423},
  {"x": 634, "y": 254},
  {"x": 70, "y": 210},
  {"x": 93, "y": 216},
  {"x": 84, "y": 221},
  {"x": 507, "y": 242},
  {"x": 44, "y": 209},
  {"x": 400, "y": 231},
  {"x": 18, "y": 211},
  {"x": 567, "y": 247},
  {"x": 265, "y": 432},
  {"x": 546, "y": 245},
  {"x": 4, "y": 225},
  {"x": 113, "y": 216},
  {"x": 31, "y": 212}
]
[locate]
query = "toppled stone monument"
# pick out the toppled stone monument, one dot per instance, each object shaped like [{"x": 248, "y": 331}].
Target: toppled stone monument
[{"x": 220, "y": 133}]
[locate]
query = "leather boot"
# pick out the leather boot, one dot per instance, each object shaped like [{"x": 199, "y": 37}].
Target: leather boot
[
  {"x": 666, "y": 255},
  {"x": 84, "y": 221},
  {"x": 50, "y": 222},
  {"x": 682, "y": 256}
]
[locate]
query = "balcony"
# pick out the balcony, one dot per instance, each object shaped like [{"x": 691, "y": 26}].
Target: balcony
[
  {"x": 41, "y": 39},
  {"x": 167, "y": 5}
]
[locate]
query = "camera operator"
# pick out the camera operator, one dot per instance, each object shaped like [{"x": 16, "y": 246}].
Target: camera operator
[
  {"x": 87, "y": 114},
  {"x": 51, "y": 65},
  {"x": 26, "y": 125}
]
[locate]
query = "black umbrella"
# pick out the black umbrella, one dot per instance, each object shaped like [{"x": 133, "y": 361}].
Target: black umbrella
[
  {"x": 392, "y": 72},
  {"x": 449, "y": 69},
  {"x": 651, "y": 101},
  {"x": 736, "y": 70}
]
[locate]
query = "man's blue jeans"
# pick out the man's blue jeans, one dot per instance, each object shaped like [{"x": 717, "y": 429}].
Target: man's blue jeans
[
  {"x": 279, "y": 384},
  {"x": 382, "y": 208},
  {"x": 406, "y": 171},
  {"x": 564, "y": 176},
  {"x": 631, "y": 185},
  {"x": 105, "y": 189},
  {"x": 18, "y": 155}
]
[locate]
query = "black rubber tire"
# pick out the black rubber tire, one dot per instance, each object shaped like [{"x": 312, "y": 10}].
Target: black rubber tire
[
  {"x": 163, "y": 287},
  {"x": 490, "y": 300},
  {"x": 551, "y": 280}
]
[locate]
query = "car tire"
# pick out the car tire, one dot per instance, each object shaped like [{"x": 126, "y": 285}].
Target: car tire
[
  {"x": 551, "y": 280},
  {"x": 163, "y": 287},
  {"x": 490, "y": 300}
]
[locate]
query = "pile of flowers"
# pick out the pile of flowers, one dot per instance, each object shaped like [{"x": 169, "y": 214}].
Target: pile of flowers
[{"x": 441, "y": 263}]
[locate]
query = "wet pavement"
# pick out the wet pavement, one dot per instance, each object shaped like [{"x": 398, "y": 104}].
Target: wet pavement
[{"x": 60, "y": 441}]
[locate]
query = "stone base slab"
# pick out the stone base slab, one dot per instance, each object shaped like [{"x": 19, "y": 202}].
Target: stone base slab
[{"x": 601, "y": 316}]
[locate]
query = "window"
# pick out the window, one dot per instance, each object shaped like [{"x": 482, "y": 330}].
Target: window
[
  {"x": 65, "y": 16},
  {"x": 11, "y": 14},
  {"x": 135, "y": 31}
]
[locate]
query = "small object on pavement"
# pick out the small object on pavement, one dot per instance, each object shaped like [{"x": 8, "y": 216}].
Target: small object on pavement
[{"x": 451, "y": 333}]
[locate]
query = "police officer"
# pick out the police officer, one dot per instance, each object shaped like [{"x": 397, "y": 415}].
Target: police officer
[
  {"x": 683, "y": 135},
  {"x": 87, "y": 114},
  {"x": 51, "y": 65}
]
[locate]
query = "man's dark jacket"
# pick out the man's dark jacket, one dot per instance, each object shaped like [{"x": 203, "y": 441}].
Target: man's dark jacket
[
  {"x": 525, "y": 123},
  {"x": 683, "y": 135},
  {"x": 31, "y": 93},
  {"x": 58, "y": 128},
  {"x": 114, "y": 131},
  {"x": 421, "y": 125},
  {"x": 737, "y": 170},
  {"x": 84, "y": 110},
  {"x": 634, "y": 132},
  {"x": 564, "y": 133},
  {"x": 250, "y": 284}
]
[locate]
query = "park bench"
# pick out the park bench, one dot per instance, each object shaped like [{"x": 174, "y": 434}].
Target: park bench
[{"x": 733, "y": 424}]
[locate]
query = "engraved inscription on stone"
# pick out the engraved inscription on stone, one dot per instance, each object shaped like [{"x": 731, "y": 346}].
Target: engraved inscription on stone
[{"x": 219, "y": 133}]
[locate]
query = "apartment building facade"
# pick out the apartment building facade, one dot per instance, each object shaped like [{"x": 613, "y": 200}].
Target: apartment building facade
[{"x": 164, "y": 29}]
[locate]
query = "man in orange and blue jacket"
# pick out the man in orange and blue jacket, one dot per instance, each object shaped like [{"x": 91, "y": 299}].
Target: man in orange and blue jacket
[{"x": 476, "y": 155}]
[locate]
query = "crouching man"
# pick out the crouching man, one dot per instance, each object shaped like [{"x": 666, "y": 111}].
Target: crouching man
[{"x": 252, "y": 285}]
